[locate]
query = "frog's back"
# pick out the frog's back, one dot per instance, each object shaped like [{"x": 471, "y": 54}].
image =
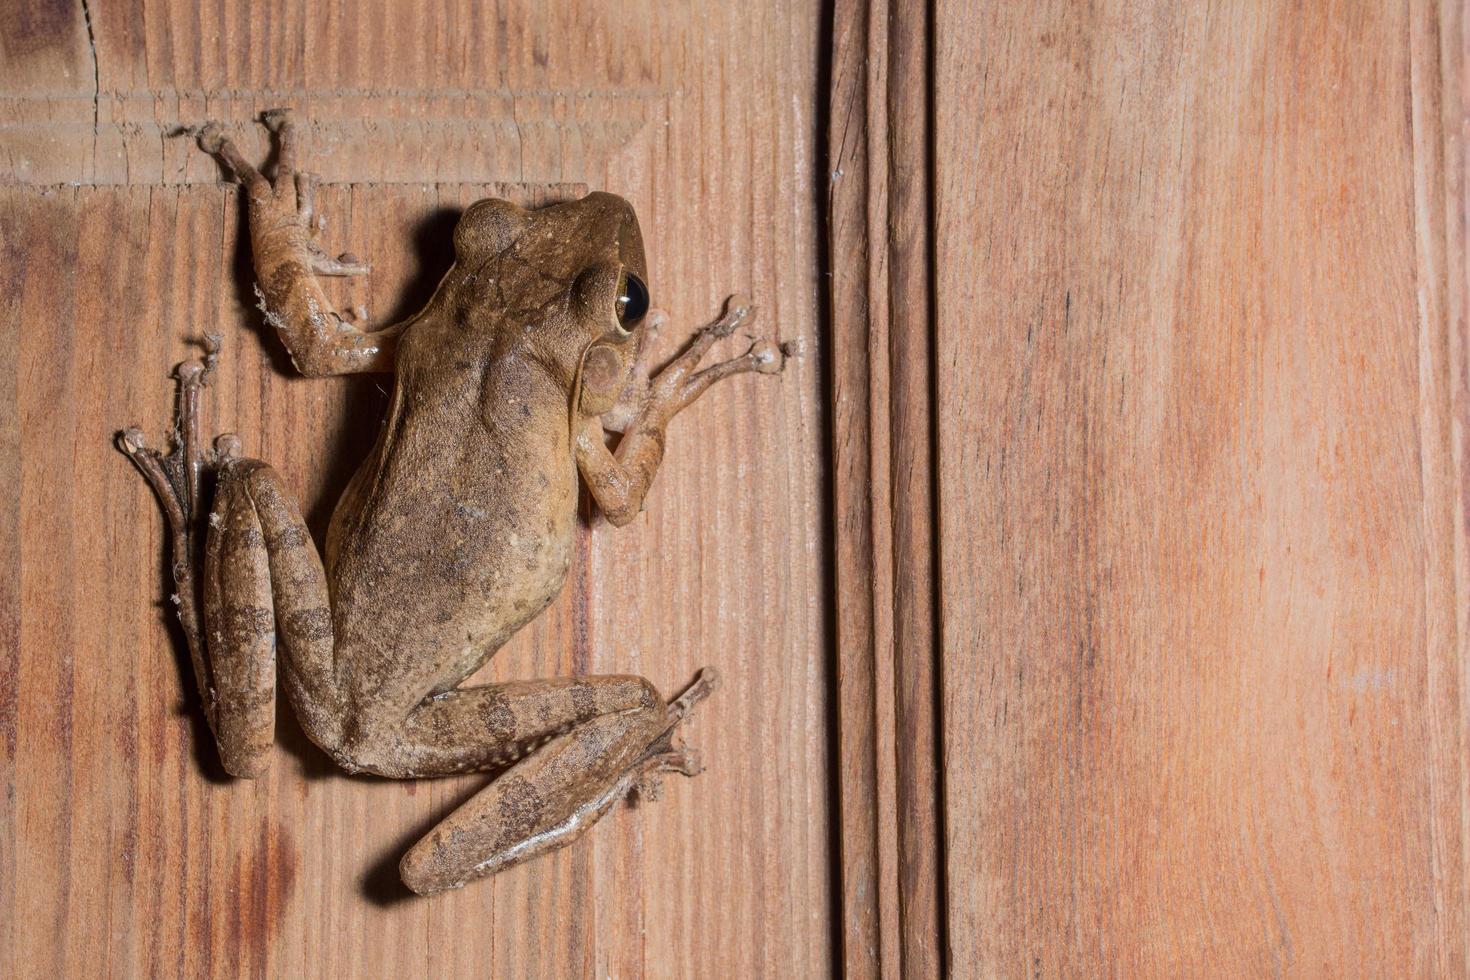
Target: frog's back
[{"x": 458, "y": 528}]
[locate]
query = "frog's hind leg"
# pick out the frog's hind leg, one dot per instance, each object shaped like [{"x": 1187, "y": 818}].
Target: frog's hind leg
[
  {"x": 177, "y": 479},
  {"x": 552, "y": 796},
  {"x": 263, "y": 585},
  {"x": 224, "y": 571}
]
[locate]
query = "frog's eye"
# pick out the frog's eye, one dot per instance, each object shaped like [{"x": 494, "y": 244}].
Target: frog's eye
[{"x": 632, "y": 302}]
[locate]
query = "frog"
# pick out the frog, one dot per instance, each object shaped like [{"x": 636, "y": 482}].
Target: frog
[{"x": 526, "y": 376}]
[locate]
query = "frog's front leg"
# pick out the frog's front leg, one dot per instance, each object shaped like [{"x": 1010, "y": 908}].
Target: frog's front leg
[
  {"x": 284, "y": 224},
  {"x": 256, "y": 580},
  {"x": 619, "y": 481}
]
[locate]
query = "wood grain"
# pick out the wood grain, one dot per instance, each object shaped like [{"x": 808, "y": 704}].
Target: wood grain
[
  {"x": 1202, "y": 402},
  {"x": 888, "y": 780},
  {"x": 122, "y": 849}
]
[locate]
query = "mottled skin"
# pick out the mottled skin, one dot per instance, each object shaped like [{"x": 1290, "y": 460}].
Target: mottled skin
[{"x": 456, "y": 531}]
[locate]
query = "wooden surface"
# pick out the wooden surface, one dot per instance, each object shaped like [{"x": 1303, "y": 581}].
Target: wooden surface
[
  {"x": 122, "y": 849},
  {"x": 1201, "y": 403},
  {"x": 889, "y": 852},
  {"x": 1147, "y": 532}
]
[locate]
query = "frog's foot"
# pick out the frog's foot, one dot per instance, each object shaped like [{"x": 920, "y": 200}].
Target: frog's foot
[
  {"x": 176, "y": 478},
  {"x": 304, "y": 183},
  {"x": 682, "y": 381},
  {"x": 176, "y": 475},
  {"x": 287, "y": 200},
  {"x": 649, "y": 786},
  {"x": 663, "y": 754}
]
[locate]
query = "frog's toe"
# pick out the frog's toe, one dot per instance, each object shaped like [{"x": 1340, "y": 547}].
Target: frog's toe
[
  {"x": 274, "y": 119},
  {"x": 130, "y": 440},
  {"x": 739, "y": 312},
  {"x": 767, "y": 357},
  {"x": 682, "y": 760},
  {"x": 705, "y": 683},
  {"x": 211, "y": 137},
  {"x": 345, "y": 264}
]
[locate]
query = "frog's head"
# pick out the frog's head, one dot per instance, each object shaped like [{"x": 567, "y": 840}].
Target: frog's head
[{"x": 563, "y": 285}]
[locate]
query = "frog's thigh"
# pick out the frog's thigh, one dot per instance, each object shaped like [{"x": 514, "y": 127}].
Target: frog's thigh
[
  {"x": 263, "y": 583},
  {"x": 475, "y": 728},
  {"x": 239, "y": 629},
  {"x": 544, "y": 802}
]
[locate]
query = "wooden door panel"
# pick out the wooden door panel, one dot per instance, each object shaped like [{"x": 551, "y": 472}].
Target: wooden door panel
[
  {"x": 121, "y": 846},
  {"x": 1189, "y": 319},
  {"x": 1198, "y": 489}
]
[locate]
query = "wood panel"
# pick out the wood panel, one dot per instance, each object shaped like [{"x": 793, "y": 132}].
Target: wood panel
[
  {"x": 879, "y": 225},
  {"x": 1201, "y": 395},
  {"x": 122, "y": 848}
]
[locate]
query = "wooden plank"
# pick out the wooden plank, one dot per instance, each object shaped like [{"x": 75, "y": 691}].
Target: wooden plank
[
  {"x": 119, "y": 842},
  {"x": 1202, "y": 404},
  {"x": 866, "y": 845},
  {"x": 918, "y": 776},
  {"x": 883, "y": 491}
]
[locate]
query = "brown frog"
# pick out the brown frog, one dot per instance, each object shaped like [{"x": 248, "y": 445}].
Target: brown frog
[{"x": 456, "y": 531}]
